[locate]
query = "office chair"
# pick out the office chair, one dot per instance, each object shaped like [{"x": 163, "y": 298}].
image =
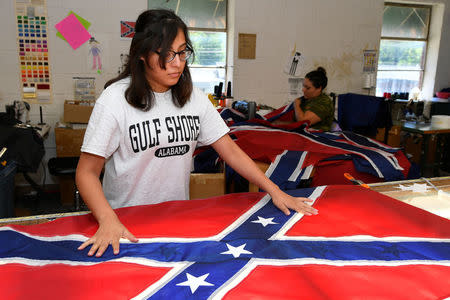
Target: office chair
[{"x": 364, "y": 114}]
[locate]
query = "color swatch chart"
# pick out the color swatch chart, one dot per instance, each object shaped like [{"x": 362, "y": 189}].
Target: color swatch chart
[{"x": 32, "y": 29}]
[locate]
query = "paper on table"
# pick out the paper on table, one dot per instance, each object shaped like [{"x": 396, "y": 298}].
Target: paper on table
[
  {"x": 73, "y": 31},
  {"x": 415, "y": 188}
]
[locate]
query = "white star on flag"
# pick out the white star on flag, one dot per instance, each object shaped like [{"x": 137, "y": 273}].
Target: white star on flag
[
  {"x": 236, "y": 251},
  {"x": 194, "y": 282},
  {"x": 264, "y": 221}
]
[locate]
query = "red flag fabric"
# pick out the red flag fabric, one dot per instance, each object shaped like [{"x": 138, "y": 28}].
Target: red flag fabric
[{"x": 361, "y": 245}]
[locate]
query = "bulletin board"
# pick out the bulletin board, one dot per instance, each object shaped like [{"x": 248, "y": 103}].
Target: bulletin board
[
  {"x": 247, "y": 46},
  {"x": 32, "y": 44}
]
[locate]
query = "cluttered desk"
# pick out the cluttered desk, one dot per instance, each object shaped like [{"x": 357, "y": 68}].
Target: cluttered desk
[{"x": 428, "y": 131}]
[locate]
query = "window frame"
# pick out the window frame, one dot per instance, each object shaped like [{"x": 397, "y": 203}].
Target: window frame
[
  {"x": 225, "y": 68},
  {"x": 192, "y": 66},
  {"x": 426, "y": 40}
]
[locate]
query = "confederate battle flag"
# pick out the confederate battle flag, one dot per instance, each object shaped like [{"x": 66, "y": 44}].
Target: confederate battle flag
[{"x": 361, "y": 245}]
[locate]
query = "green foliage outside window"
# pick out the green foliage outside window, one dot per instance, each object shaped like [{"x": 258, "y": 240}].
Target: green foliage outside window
[
  {"x": 209, "y": 47},
  {"x": 402, "y": 54}
]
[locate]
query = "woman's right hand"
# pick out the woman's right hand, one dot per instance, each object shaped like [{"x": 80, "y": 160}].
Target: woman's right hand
[{"x": 108, "y": 233}]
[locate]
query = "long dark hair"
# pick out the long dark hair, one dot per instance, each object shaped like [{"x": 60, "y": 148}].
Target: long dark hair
[
  {"x": 155, "y": 30},
  {"x": 318, "y": 78}
]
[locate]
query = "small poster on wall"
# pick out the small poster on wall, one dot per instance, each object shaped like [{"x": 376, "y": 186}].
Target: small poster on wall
[
  {"x": 294, "y": 64},
  {"x": 94, "y": 50},
  {"x": 127, "y": 29},
  {"x": 369, "y": 60},
  {"x": 247, "y": 46}
]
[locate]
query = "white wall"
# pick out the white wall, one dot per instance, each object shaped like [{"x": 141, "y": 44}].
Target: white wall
[{"x": 330, "y": 33}]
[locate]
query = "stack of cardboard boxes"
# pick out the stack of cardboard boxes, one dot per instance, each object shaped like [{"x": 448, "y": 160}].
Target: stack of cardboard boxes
[{"x": 70, "y": 137}]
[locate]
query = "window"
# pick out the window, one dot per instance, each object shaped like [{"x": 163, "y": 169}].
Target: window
[
  {"x": 206, "y": 20},
  {"x": 404, "y": 38}
]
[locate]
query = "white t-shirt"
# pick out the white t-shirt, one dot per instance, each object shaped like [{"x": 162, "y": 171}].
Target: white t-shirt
[{"x": 149, "y": 153}]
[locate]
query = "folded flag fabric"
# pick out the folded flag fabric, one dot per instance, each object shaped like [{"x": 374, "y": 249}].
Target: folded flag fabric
[
  {"x": 289, "y": 169},
  {"x": 264, "y": 143},
  {"x": 362, "y": 244},
  {"x": 284, "y": 113}
]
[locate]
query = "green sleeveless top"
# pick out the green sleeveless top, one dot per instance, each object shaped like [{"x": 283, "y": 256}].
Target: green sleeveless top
[{"x": 322, "y": 106}]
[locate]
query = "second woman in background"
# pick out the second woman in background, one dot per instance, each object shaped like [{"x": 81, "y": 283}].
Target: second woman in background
[{"x": 315, "y": 106}]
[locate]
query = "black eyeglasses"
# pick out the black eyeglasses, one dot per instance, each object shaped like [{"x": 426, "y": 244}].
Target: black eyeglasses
[{"x": 183, "y": 54}]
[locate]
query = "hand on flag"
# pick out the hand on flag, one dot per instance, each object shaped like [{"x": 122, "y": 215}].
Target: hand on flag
[
  {"x": 300, "y": 204},
  {"x": 108, "y": 233}
]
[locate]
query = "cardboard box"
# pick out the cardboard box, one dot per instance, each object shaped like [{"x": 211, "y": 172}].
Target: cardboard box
[
  {"x": 202, "y": 185},
  {"x": 66, "y": 190},
  {"x": 68, "y": 141},
  {"x": 205, "y": 185},
  {"x": 393, "y": 136},
  {"x": 413, "y": 148},
  {"x": 76, "y": 111}
]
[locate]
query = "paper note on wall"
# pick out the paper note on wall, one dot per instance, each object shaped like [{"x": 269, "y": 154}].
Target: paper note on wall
[
  {"x": 73, "y": 31},
  {"x": 247, "y": 46},
  {"x": 86, "y": 24}
]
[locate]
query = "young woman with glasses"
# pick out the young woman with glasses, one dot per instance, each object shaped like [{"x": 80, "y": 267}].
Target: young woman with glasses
[{"x": 144, "y": 129}]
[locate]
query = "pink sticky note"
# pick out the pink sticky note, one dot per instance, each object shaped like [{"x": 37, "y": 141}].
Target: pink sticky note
[{"x": 73, "y": 31}]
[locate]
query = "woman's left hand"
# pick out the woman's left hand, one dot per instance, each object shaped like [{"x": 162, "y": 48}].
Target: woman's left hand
[
  {"x": 244, "y": 165},
  {"x": 285, "y": 202}
]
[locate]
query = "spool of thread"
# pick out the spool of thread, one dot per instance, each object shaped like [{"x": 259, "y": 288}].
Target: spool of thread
[
  {"x": 29, "y": 90},
  {"x": 228, "y": 102},
  {"x": 229, "y": 89},
  {"x": 251, "y": 110},
  {"x": 219, "y": 90}
]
